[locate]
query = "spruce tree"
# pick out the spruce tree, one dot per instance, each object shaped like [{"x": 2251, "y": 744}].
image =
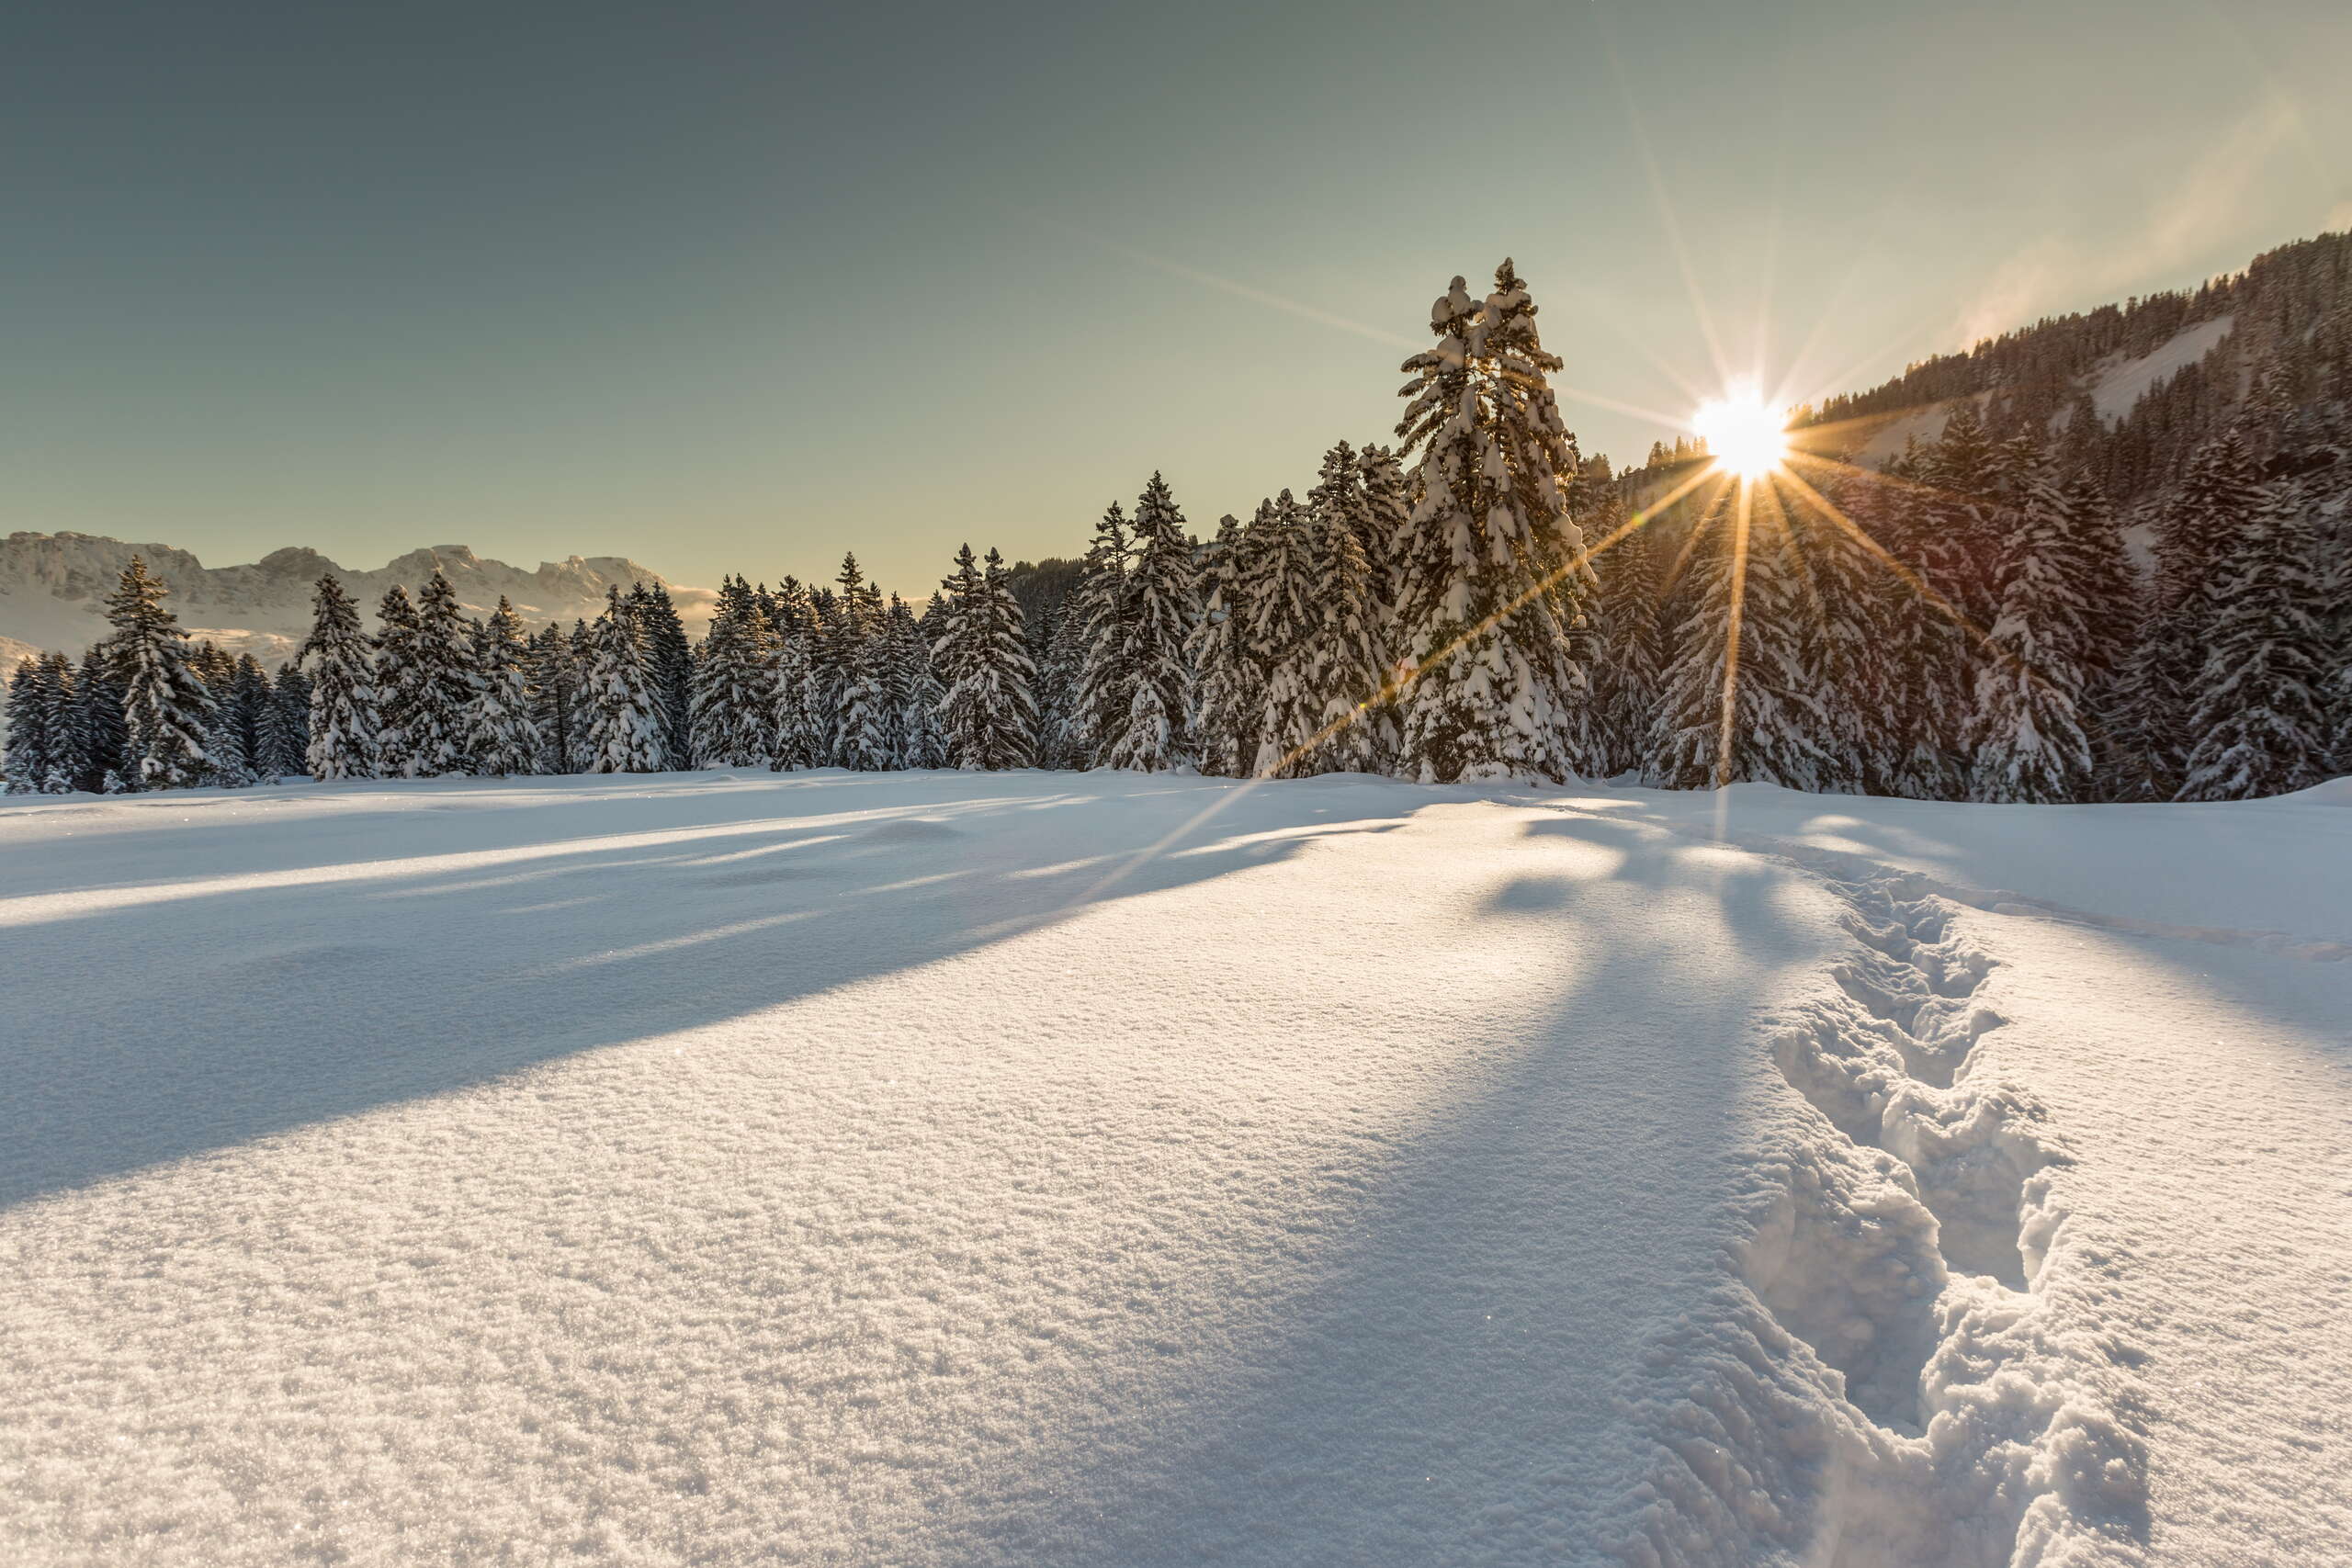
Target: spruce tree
[
  {"x": 286, "y": 725},
  {"x": 502, "y": 732},
  {"x": 1493, "y": 673},
  {"x": 2258, "y": 712},
  {"x": 2030, "y": 742},
  {"x": 624, "y": 726},
  {"x": 1847, "y": 603},
  {"x": 734, "y": 684},
  {"x": 916, "y": 692},
  {"x": 1161, "y": 604},
  {"x": 669, "y": 661},
  {"x": 1739, "y": 703},
  {"x": 869, "y": 716},
  {"x": 580, "y": 727},
  {"x": 1633, "y": 674},
  {"x": 69, "y": 760},
  {"x": 446, "y": 686},
  {"x": 1228, "y": 687},
  {"x": 403, "y": 684},
  {"x": 105, "y": 736},
  {"x": 988, "y": 717},
  {"x": 27, "y": 762},
  {"x": 1387, "y": 512},
  {"x": 167, "y": 712},
  {"x": 1342, "y": 659},
  {"x": 1101, "y": 695},
  {"x": 346, "y": 721},
  {"x": 1281, "y": 614}
]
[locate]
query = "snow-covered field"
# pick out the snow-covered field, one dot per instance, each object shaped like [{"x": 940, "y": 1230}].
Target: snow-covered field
[{"x": 1104, "y": 1170}]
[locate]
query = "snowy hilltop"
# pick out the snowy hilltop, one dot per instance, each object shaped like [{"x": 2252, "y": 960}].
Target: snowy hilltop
[{"x": 51, "y": 585}]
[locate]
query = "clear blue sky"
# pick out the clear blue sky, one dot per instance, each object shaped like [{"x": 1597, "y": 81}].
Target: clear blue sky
[{"x": 737, "y": 286}]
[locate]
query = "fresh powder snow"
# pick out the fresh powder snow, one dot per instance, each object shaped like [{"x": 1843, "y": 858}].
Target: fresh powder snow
[{"x": 1033, "y": 1168}]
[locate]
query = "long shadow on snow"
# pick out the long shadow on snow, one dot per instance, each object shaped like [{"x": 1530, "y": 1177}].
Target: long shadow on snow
[
  {"x": 1444, "y": 1393},
  {"x": 153, "y": 1031}
]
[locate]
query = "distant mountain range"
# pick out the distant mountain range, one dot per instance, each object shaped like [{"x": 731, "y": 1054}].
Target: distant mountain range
[{"x": 52, "y": 588}]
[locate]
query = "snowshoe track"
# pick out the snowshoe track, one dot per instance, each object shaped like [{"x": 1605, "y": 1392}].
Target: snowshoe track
[{"x": 1895, "y": 1267}]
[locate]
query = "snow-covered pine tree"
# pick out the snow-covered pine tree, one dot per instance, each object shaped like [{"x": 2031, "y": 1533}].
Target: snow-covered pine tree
[
  {"x": 1162, "y": 601},
  {"x": 402, "y": 686},
  {"x": 625, "y": 733},
  {"x": 346, "y": 720},
  {"x": 68, "y": 759},
  {"x": 235, "y": 739},
  {"x": 2029, "y": 742},
  {"x": 27, "y": 762},
  {"x": 553, "y": 697},
  {"x": 104, "y": 733},
  {"x": 916, "y": 691},
  {"x": 286, "y": 725},
  {"x": 1845, "y": 601},
  {"x": 2218, "y": 496},
  {"x": 1630, "y": 678},
  {"x": 1492, "y": 676},
  {"x": 443, "y": 693},
  {"x": 1387, "y": 512},
  {"x": 503, "y": 735},
  {"x": 669, "y": 663},
  {"x": 2109, "y": 589},
  {"x": 2258, "y": 721},
  {"x": 1097, "y": 703},
  {"x": 1057, "y": 682},
  {"x": 1227, "y": 685},
  {"x": 797, "y": 722},
  {"x": 866, "y": 741},
  {"x": 989, "y": 717},
  {"x": 580, "y": 729},
  {"x": 167, "y": 711},
  {"x": 1342, "y": 659},
  {"x": 1282, "y": 613},
  {"x": 1739, "y": 704},
  {"x": 733, "y": 699}
]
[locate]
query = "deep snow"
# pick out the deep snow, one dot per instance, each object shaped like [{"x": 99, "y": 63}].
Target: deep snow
[{"x": 1031, "y": 1168}]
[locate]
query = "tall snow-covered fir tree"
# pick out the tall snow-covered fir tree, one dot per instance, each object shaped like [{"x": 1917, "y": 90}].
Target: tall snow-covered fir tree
[
  {"x": 27, "y": 762},
  {"x": 441, "y": 691},
  {"x": 346, "y": 720},
  {"x": 2258, "y": 723},
  {"x": 868, "y": 724},
  {"x": 1227, "y": 686},
  {"x": 669, "y": 663},
  {"x": 731, "y": 705},
  {"x": 1739, "y": 702},
  {"x": 580, "y": 729},
  {"x": 624, "y": 726},
  {"x": 2030, "y": 742},
  {"x": 236, "y": 713},
  {"x": 105, "y": 736},
  {"x": 989, "y": 717},
  {"x": 286, "y": 725},
  {"x": 1343, "y": 659},
  {"x": 502, "y": 732},
  {"x": 2108, "y": 588},
  {"x": 800, "y": 723},
  {"x": 1282, "y": 613},
  {"x": 167, "y": 711},
  {"x": 1387, "y": 512},
  {"x": 1097, "y": 706},
  {"x": 69, "y": 762},
  {"x": 1494, "y": 679},
  {"x": 1628, "y": 682},
  {"x": 403, "y": 681},
  {"x": 1162, "y": 601},
  {"x": 1847, "y": 596},
  {"x": 915, "y": 692}
]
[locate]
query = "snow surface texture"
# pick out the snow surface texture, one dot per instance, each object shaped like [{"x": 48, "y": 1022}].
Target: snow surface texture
[{"x": 1031, "y": 1168}]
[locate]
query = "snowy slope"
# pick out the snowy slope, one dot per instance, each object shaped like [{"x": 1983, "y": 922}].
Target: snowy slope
[
  {"x": 2115, "y": 388},
  {"x": 1030, "y": 1168},
  {"x": 52, "y": 587}
]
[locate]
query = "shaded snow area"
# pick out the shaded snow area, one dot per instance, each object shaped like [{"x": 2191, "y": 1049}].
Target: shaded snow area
[
  {"x": 2115, "y": 387},
  {"x": 1103, "y": 1169}
]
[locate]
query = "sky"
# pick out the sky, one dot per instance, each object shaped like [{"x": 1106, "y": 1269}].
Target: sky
[{"x": 736, "y": 288}]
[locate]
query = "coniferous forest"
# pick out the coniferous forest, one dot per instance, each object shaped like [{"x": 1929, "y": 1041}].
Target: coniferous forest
[{"x": 2034, "y": 601}]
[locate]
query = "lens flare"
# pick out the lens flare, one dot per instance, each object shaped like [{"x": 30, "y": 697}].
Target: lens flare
[{"x": 1746, "y": 435}]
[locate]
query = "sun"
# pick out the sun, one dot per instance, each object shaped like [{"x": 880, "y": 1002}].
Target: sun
[{"x": 1746, "y": 435}]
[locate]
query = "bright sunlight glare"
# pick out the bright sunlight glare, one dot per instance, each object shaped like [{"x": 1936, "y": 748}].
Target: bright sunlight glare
[{"x": 1747, "y": 436}]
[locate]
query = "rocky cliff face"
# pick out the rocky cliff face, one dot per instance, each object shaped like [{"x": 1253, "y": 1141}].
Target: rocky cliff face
[{"x": 52, "y": 588}]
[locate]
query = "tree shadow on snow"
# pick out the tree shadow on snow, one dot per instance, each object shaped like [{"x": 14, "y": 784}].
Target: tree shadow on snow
[{"x": 208, "y": 1016}]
